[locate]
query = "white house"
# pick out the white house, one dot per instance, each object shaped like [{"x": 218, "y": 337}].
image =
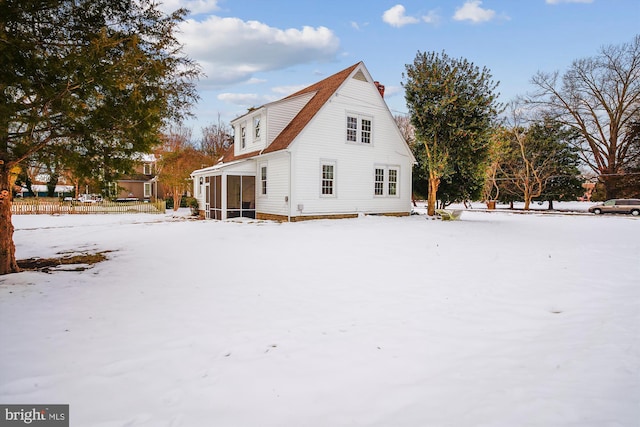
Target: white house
[{"x": 331, "y": 150}]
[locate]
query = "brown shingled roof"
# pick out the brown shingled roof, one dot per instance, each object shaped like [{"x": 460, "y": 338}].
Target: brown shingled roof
[{"x": 324, "y": 89}]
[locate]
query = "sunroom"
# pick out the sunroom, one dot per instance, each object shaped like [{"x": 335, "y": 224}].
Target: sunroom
[{"x": 227, "y": 191}]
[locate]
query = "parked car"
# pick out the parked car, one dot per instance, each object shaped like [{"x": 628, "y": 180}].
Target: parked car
[
  {"x": 90, "y": 198},
  {"x": 623, "y": 206}
]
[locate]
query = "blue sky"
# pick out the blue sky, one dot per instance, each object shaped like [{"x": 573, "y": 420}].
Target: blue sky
[{"x": 257, "y": 51}]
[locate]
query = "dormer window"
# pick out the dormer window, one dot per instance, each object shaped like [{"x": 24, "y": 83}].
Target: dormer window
[
  {"x": 146, "y": 169},
  {"x": 243, "y": 137},
  {"x": 256, "y": 127}
]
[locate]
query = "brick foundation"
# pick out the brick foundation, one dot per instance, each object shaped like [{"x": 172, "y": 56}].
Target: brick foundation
[{"x": 284, "y": 218}]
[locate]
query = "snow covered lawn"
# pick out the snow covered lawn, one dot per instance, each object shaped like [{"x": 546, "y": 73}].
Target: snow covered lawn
[{"x": 496, "y": 319}]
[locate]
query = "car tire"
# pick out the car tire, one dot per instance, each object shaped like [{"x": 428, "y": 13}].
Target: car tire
[
  {"x": 635, "y": 212},
  {"x": 597, "y": 211}
]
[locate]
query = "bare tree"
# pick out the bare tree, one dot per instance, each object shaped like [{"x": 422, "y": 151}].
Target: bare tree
[
  {"x": 406, "y": 128},
  {"x": 177, "y": 159},
  {"x": 533, "y": 154},
  {"x": 598, "y": 97},
  {"x": 216, "y": 138}
]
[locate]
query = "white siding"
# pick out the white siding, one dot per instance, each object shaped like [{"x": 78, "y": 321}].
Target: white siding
[
  {"x": 325, "y": 139},
  {"x": 251, "y": 142},
  {"x": 282, "y": 112},
  {"x": 275, "y": 202}
]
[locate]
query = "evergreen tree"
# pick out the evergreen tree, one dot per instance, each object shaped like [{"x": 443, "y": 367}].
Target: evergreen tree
[
  {"x": 452, "y": 105},
  {"x": 91, "y": 80}
]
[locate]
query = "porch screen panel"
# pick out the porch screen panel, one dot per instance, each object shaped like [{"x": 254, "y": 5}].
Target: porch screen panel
[
  {"x": 248, "y": 197},
  {"x": 216, "y": 197},
  {"x": 233, "y": 196}
]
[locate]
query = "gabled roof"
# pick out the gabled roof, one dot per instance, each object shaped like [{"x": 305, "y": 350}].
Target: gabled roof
[{"x": 324, "y": 89}]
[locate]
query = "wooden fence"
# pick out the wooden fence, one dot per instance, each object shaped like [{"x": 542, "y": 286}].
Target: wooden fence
[{"x": 41, "y": 205}]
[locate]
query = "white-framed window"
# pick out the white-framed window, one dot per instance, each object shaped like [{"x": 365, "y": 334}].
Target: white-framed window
[
  {"x": 243, "y": 136},
  {"x": 352, "y": 128},
  {"x": 263, "y": 180},
  {"x": 256, "y": 127},
  {"x": 365, "y": 131},
  {"x": 328, "y": 179},
  {"x": 392, "y": 183},
  {"x": 359, "y": 128},
  {"x": 147, "y": 169},
  {"x": 147, "y": 189},
  {"x": 385, "y": 180},
  {"x": 378, "y": 186}
]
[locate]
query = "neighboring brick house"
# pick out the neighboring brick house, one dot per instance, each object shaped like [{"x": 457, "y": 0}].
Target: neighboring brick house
[
  {"x": 143, "y": 183},
  {"x": 332, "y": 149}
]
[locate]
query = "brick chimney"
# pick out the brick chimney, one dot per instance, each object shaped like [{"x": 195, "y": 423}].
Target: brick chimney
[{"x": 380, "y": 88}]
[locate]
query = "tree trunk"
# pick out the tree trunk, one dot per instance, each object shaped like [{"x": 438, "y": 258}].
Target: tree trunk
[
  {"x": 51, "y": 185},
  {"x": 550, "y": 205},
  {"x": 434, "y": 183},
  {"x": 177, "y": 197},
  {"x": 8, "y": 262},
  {"x": 527, "y": 198},
  {"x": 611, "y": 186}
]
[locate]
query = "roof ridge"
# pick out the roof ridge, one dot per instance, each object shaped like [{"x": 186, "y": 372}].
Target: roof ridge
[{"x": 324, "y": 90}]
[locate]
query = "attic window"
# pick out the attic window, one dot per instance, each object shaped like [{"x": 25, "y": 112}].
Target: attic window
[
  {"x": 243, "y": 137},
  {"x": 360, "y": 76},
  {"x": 256, "y": 127},
  {"x": 359, "y": 129},
  {"x": 147, "y": 169}
]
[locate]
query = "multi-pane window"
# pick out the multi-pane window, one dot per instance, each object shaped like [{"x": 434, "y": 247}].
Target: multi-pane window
[
  {"x": 328, "y": 179},
  {"x": 365, "y": 134},
  {"x": 147, "y": 169},
  {"x": 243, "y": 137},
  {"x": 393, "y": 182},
  {"x": 263, "y": 180},
  {"x": 359, "y": 129},
  {"x": 352, "y": 129},
  {"x": 379, "y": 182},
  {"x": 385, "y": 182},
  {"x": 147, "y": 189},
  {"x": 256, "y": 128}
]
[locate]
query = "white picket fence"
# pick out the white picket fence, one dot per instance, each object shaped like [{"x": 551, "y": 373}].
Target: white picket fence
[{"x": 42, "y": 205}]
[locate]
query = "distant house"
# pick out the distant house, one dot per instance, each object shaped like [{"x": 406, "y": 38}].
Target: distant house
[
  {"x": 331, "y": 150},
  {"x": 142, "y": 183}
]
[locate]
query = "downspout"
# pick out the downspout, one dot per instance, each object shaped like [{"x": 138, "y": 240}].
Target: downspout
[{"x": 289, "y": 202}]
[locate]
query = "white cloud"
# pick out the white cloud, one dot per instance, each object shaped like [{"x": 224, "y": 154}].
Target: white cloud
[
  {"x": 255, "y": 81},
  {"x": 194, "y": 6},
  {"x": 245, "y": 99},
  {"x": 471, "y": 11},
  {"x": 231, "y": 50},
  {"x": 390, "y": 90},
  {"x": 396, "y": 17},
  {"x": 431, "y": 18},
  {"x": 358, "y": 26},
  {"x": 287, "y": 90}
]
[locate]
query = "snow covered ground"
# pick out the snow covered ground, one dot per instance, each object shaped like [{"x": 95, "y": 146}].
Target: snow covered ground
[{"x": 497, "y": 319}]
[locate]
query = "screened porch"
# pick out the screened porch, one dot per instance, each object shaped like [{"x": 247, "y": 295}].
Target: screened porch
[{"x": 230, "y": 196}]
